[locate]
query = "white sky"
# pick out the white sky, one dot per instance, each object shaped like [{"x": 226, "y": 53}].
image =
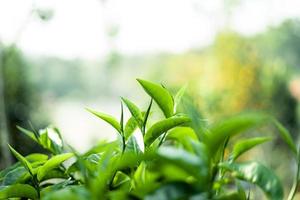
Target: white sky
[{"x": 77, "y": 28}]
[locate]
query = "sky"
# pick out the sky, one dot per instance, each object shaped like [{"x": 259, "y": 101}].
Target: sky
[{"x": 78, "y": 28}]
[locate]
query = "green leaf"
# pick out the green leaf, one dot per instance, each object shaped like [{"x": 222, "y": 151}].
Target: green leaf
[
  {"x": 160, "y": 95},
  {"x": 22, "y": 159},
  {"x": 30, "y": 134},
  {"x": 18, "y": 191},
  {"x": 230, "y": 127},
  {"x": 18, "y": 175},
  {"x": 286, "y": 136},
  {"x": 74, "y": 192},
  {"x": 130, "y": 127},
  {"x": 135, "y": 111},
  {"x": 108, "y": 118},
  {"x": 189, "y": 162},
  {"x": 121, "y": 179},
  {"x": 162, "y": 126},
  {"x": 178, "y": 97},
  {"x": 34, "y": 157},
  {"x": 182, "y": 135},
  {"x": 247, "y": 144},
  {"x": 52, "y": 163},
  {"x": 146, "y": 117},
  {"x": 132, "y": 145},
  {"x": 258, "y": 174}
]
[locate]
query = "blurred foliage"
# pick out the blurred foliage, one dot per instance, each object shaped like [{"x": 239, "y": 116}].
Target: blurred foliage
[{"x": 21, "y": 98}]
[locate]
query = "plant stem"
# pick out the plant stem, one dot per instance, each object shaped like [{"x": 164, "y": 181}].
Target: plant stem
[
  {"x": 162, "y": 139},
  {"x": 296, "y": 180}
]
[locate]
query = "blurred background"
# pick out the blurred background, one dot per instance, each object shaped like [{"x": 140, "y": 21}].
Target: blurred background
[{"x": 58, "y": 57}]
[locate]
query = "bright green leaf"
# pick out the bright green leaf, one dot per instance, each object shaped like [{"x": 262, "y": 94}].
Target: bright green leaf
[
  {"x": 135, "y": 111},
  {"x": 52, "y": 163},
  {"x": 130, "y": 127},
  {"x": 108, "y": 118},
  {"x": 22, "y": 159},
  {"x": 247, "y": 144},
  {"x": 230, "y": 127},
  {"x": 18, "y": 191},
  {"x": 160, "y": 95},
  {"x": 162, "y": 126}
]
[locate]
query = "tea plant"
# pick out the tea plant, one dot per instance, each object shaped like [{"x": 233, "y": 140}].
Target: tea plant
[{"x": 178, "y": 158}]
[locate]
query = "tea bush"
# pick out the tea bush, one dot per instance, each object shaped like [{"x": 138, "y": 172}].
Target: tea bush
[{"x": 175, "y": 160}]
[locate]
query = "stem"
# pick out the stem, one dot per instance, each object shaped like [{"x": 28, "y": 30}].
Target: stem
[
  {"x": 162, "y": 139},
  {"x": 124, "y": 144},
  {"x": 296, "y": 180}
]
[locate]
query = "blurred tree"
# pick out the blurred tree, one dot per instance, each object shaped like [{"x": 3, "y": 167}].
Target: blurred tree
[
  {"x": 5, "y": 158},
  {"x": 21, "y": 101}
]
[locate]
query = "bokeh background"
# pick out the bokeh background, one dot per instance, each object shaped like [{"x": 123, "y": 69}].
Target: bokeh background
[{"x": 58, "y": 57}]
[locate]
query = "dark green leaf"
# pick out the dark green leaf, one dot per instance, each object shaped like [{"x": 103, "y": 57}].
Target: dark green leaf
[{"x": 257, "y": 174}]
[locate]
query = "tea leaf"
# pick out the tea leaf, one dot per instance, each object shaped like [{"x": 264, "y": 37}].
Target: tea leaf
[
  {"x": 22, "y": 159},
  {"x": 160, "y": 95},
  {"x": 130, "y": 127},
  {"x": 247, "y": 144},
  {"x": 286, "y": 136},
  {"x": 30, "y": 134},
  {"x": 52, "y": 163},
  {"x": 108, "y": 118},
  {"x": 230, "y": 127},
  {"x": 162, "y": 126},
  {"x": 257, "y": 174},
  {"x": 18, "y": 191},
  {"x": 135, "y": 111}
]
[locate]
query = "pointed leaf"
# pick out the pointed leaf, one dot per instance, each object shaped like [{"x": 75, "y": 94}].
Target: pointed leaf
[
  {"x": 247, "y": 144},
  {"x": 257, "y": 174},
  {"x": 108, "y": 118},
  {"x": 178, "y": 97},
  {"x": 286, "y": 136},
  {"x": 160, "y": 95},
  {"x": 52, "y": 163},
  {"x": 232, "y": 126},
  {"x": 146, "y": 117},
  {"x": 22, "y": 159},
  {"x": 162, "y": 126},
  {"x": 130, "y": 127},
  {"x": 30, "y": 134},
  {"x": 18, "y": 191},
  {"x": 135, "y": 111}
]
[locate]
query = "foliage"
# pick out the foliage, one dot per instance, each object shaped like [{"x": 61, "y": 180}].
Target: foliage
[{"x": 173, "y": 161}]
